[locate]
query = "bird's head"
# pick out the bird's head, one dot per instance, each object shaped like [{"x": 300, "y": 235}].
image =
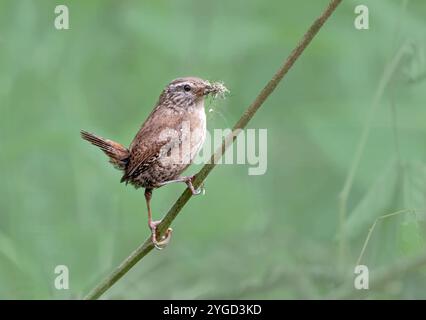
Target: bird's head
[{"x": 190, "y": 91}]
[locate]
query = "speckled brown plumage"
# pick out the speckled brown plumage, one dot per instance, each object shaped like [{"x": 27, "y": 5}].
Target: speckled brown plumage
[{"x": 157, "y": 154}]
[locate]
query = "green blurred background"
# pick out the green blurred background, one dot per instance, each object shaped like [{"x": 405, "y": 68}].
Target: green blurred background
[{"x": 284, "y": 234}]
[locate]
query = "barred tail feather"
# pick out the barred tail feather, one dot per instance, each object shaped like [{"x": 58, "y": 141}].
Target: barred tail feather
[{"x": 118, "y": 154}]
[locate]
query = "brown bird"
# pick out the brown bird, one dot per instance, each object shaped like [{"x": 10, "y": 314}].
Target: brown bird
[{"x": 166, "y": 144}]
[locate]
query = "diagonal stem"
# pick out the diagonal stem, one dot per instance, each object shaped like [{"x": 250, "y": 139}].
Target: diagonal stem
[{"x": 147, "y": 246}]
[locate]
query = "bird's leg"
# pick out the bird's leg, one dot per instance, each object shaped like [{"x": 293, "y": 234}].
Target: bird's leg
[
  {"x": 187, "y": 180},
  {"x": 153, "y": 224}
]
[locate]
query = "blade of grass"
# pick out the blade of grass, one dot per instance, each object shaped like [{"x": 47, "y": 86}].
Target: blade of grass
[{"x": 388, "y": 73}]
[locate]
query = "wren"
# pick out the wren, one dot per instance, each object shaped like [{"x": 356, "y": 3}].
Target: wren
[{"x": 162, "y": 149}]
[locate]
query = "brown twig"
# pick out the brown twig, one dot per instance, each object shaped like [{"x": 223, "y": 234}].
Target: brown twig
[{"x": 147, "y": 246}]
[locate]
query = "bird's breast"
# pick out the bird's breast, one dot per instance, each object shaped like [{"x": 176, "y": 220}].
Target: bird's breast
[{"x": 198, "y": 129}]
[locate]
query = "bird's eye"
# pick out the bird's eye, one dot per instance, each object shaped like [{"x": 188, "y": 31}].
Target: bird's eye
[{"x": 187, "y": 87}]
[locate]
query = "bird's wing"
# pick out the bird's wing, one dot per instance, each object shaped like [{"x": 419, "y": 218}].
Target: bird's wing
[{"x": 156, "y": 138}]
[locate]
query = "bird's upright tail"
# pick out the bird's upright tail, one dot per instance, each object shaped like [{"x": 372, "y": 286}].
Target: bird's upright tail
[{"x": 118, "y": 155}]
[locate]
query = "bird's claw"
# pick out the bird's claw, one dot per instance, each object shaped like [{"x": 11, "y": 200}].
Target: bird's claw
[
  {"x": 165, "y": 239},
  {"x": 199, "y": 190}
]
